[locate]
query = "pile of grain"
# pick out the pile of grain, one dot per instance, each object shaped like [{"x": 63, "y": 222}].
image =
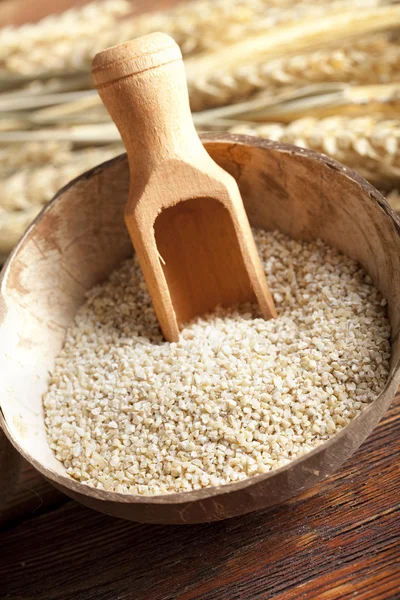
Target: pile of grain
[{"x": 236, "y": 396}]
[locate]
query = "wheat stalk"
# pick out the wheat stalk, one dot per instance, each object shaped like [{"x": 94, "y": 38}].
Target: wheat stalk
[
  {"x": 205, "y": 25},
  {"x": 375, "y": 59},
  {"x": 12, "y": 226},
  {"x": 330, "y": 30},
  {"x": 393, "y": 197},
  {"x": 285, "y": 105},
  {"x": 18, "y": 102},
  {"x": 366, "y": 144},
  {"x": 82, "y": 135},
  {"x": 312, "y": 41},
  {"x": 91, "y": 18},
  {"x": 17, "y": 156},
  {"x": 24, "y": 191},
  {"x": 37, "y": 185},
  {"x": 57, "y": 38},
  {"x": 319, "y": 100},
  {"x": 68, "y": 43}
]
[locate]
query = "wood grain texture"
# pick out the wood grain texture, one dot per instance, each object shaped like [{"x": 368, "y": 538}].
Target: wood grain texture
[
  {"x": 32, "y": 496},
  {"x": 338, "y": 541},
  {"x": 184, "y": 213},
  {"x": 10, "y": 464}
]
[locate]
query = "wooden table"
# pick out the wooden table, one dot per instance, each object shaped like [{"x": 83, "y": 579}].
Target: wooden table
[{"x": 339, "y": 540}]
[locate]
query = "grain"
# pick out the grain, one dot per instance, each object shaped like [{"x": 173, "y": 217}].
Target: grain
[
  {"x": 374, "y": 59},
  {"x": 393, "y": 197},
  {"x": 236, "y": 396},
  {"x": 12, "y": 226},
  {"x": 58, "y": 42},
  {"x": 36, "y": 185},
  {"x": 16, "y": 156},
  {"x": 205, "y": 25},
  {"x": 332, "y": 29},
  {"x": 318, "y": 102},
  {"x": 25, "y": 189},
  {"x": 369, "y": 145},
  {"x": 76, "y": 36}
]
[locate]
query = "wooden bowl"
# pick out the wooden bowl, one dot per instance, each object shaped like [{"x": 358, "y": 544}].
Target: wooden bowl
[{"x": 80, "y": 237}]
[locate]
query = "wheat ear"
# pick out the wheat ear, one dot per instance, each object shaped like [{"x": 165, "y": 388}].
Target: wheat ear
[
  {"x": 37, "y": 185},
  {"x": 12, "y": 226},
  {"x": 374, "y": 59},
  {"x": 303, "y": 36},
  {"x": 366, "y": 144},
  {"x": 393, "y": 197},
  {"x": 68, "y": 43}
]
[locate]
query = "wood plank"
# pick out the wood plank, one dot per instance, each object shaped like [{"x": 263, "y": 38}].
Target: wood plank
[
  {"x": 339, "y": 540},
  {"x": 32, "y": 496}
]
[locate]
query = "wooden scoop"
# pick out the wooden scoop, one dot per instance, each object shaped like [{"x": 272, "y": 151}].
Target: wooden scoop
[{"x": 184, "y": 214}]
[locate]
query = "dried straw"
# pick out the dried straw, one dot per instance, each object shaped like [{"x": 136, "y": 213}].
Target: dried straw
[
  {"x": 300, "y": 71},
  {"x": 80, "y": 109},
  {"x": 393, "y": 197},
  {"x": 17, "y": 156},
  {"x": 330, "y": 30},
  {"x": 374, "y": 59},
  {"x": 58, "y": 42},
  {"x": 68, "y": 43},
  {"x": 366, "y": 144},
  {"x": 38, "y": 184},
  {"x": 320, "y": 100},
  {"x": 12, "y": 226}
]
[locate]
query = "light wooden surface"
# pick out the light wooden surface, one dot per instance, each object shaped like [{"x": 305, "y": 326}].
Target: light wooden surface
[
  {"x": 338, "y": 541},
  {"x": 184, "y": 214}
]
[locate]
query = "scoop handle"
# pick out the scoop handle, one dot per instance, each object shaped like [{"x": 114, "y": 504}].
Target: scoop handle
[{"x": 143, "y": 86}]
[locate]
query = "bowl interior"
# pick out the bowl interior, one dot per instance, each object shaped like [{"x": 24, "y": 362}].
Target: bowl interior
[{"x": 81, "y": 237}]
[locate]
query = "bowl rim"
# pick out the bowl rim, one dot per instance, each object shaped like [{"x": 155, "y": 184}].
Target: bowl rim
[{"x": 178, "y": 498}]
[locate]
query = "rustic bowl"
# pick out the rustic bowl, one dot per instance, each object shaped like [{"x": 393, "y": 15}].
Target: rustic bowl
[{"x": 80, "y": 237}]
